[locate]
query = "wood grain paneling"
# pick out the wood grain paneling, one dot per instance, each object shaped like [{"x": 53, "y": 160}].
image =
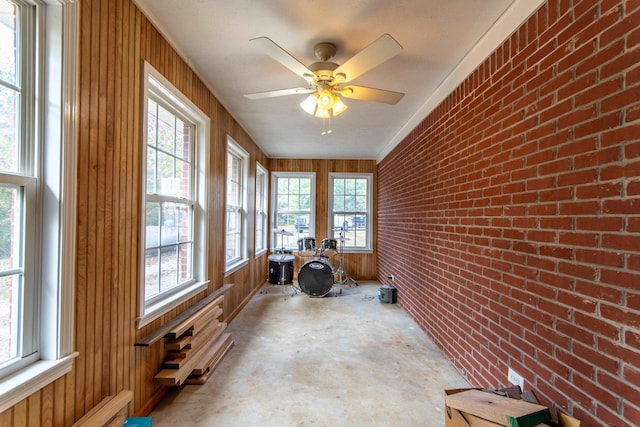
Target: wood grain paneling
[
  {"x": 358, "y": 265},
  {"x": 115, "y": 39}
]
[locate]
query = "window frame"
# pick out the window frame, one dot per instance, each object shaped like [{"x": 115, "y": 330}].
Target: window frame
[
  {"x": 262, "y": 210},
  {"x": 275, "y": 238},
  {"x": 156, "y": 86},
  {"x": 368, "y": 248},
  {"x": 56, "y": 23},
  {"x": 241, "y": 209}
]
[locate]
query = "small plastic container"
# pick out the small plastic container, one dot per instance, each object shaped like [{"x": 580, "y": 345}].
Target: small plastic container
[{"x": 387, "y": 294}]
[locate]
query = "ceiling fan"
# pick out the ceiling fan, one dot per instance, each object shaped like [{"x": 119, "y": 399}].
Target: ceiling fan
[{"x": 326, "y": 80}]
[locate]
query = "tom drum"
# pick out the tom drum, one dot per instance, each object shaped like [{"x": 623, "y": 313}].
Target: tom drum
[
  {"x": 307, "y": 245},
  {"x": 329, "y": 247},
  {"x": 316, "y": 277}
]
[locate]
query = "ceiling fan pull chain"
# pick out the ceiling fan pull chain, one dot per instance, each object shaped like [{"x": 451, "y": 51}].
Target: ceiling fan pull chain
[{"x": 324, "y": 126}]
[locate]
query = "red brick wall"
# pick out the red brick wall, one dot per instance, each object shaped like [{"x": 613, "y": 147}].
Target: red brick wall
[{"x": 510, "y": 216}]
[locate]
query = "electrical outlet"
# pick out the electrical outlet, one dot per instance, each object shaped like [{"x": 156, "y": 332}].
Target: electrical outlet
[{"x": 515, "y": 378}]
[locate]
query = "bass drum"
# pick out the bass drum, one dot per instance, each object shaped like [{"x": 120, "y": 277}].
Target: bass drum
[{"x": 316, "y": 277}]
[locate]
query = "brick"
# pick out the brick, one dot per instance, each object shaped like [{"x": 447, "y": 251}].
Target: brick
[
  {"x": 596, "y": 125},
  {"x": 578, "y": 239},
  {"x": 577, "y": 334},
  {"x": 609, "y": 259},
  {"x": 599, "y": 291},
  {"x": 577, "y": 301},
  {"x": 632, "y": 339},
  {"x": 621, "y": 242},
  {"x": 580, "y": 208},
  {"x": 620, "y": 135},
  {"x": 620, "y": 170},
  {"x": 587, "y": 176},
  {"x": 599, "y": 190},
  {"x": 625, "y": 352},
  {"x": 620, "y": 99},
  {"x": 577, "y": 116},
  {"x": 620, "y": 315},
  {"x": 600, "y": 223}
]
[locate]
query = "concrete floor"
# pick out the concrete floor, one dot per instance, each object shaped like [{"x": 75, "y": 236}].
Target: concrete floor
[{"x": 343, "y": 360}]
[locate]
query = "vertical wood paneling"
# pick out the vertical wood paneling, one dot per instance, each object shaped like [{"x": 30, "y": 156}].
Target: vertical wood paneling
[{"x": 115, "y": 39}]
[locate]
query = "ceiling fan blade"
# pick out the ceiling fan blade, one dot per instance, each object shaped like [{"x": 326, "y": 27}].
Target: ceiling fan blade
[
  {"x": 281, "y": 92},
  {"x": 384, "y": 48},
  {"x": 269, "y": 47},
  {"x": 371, "y": 94}
]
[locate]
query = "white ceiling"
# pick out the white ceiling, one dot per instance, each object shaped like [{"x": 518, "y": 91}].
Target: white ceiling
[{"x": 442, "y": 40}]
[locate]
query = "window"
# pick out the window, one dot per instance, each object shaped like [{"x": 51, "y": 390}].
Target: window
[
  {"x": 176, "y": 133},
  {"x": 38, "y": 80},
  {"x": 236, "y": 245},
  {"x": 262, "y": 193},
  {"x": 294, "y": 207},
  {"x": 350, "y": 209}
]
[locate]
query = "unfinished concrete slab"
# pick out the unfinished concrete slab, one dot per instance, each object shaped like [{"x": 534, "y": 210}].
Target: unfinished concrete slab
[{"x": 342, "y": 360}]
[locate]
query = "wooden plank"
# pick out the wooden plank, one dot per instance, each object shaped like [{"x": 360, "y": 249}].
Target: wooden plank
[
  {"x": 175, "y": 360},
  {"x": 189, "y": 323},
  {"x": 175, "y": 377},
  {"x": 179, "y": 343},
  {"x": 106, "y": 410},
  {"x": 207, "y": 317},
  {"x": 210, "y": 334},
  {"x": 167, "y": 327},
  {"x": 201, "y": 379},
  {"x": 214, "y": 352},
  {"x": 499, "y": 409}
]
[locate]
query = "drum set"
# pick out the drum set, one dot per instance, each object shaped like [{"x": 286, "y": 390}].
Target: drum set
[{"x": 317, "y": 275}]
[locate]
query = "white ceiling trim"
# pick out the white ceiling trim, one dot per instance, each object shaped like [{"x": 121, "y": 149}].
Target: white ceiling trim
[{"x": 504, "y": 26}]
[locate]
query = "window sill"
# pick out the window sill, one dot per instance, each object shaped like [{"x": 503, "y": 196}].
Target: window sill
[
  {"x": 259, "y": 253},
  {"x": 31, "y": 379},
  {"x": 153, "y": 311}
]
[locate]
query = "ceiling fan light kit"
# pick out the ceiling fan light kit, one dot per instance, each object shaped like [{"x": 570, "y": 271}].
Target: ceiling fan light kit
[
  {"x": 323, "y": 104},
  {"x": 324, "y": 77}
]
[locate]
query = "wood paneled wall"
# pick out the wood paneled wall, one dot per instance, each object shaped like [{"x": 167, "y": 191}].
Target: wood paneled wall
[
  {"x": 358, "y": 266},
  {"x": 115, "y": 39}
]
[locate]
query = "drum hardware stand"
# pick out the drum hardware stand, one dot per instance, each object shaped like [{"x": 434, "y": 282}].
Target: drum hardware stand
[{"x": 343, "y": 277}]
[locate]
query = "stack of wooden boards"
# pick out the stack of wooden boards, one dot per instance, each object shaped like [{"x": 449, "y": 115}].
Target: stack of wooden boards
[
  {"x": 478, "y": 408},
  {"x": 195, "y": 342},
  {"x": 195, "y": 346}
]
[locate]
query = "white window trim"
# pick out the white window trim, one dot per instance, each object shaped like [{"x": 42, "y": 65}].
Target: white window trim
[
  {"x": 274, "y": 200},
  {"x": 265, "y": 201},
  {"x": 369, "y": 228},
  {"x": 147, "y": 312},
  {"x": 235, "y": 148},
  {"x": 61, "y": 116}
]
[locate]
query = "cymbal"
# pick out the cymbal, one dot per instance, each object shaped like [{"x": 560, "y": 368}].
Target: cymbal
[
  {"x": 283, "y": 232},
  {"x": 344, "y": 239}
]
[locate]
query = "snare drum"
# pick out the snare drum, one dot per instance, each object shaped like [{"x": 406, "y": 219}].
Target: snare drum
[
  {"x": 316, "y": 277},
  {"x": 329, "y": 247},
  {"x": 307, "y": 245}
]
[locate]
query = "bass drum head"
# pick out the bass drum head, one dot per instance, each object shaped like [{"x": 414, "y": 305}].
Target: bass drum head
[{"x": 316, "y": 277}]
